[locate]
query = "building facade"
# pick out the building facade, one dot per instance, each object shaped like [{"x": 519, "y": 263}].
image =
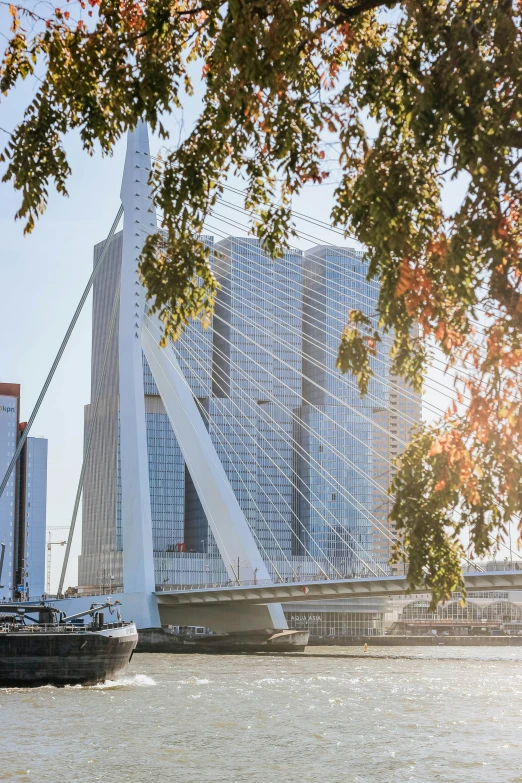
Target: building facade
[
  {"x": 336, "y": 427},
  {"x": 100, "y": 563},
  {"x": 307, "y": 458},
  {"x": 345, "y": 619},
  {"x": 395, "y": 424},
  {"x": 23, "y": 504}
]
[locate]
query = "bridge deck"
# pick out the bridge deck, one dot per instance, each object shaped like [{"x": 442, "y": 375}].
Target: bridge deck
[{"x": 325, "y": 590}]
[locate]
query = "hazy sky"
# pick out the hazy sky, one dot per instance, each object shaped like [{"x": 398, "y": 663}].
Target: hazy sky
[{"x": 43, "y": 276}]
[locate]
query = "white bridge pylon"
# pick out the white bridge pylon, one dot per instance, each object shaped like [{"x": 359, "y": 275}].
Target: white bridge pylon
[{"x": 233, "y": 536}]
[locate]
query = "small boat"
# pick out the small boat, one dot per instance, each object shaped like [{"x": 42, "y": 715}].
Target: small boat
[{"x": 40, "y": 645}]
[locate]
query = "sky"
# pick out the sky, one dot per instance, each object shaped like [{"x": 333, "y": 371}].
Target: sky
[{"x": 43, "y": 276}]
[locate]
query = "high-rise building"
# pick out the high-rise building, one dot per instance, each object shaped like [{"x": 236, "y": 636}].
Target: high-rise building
[
  {"x": 100, "y": 563},
  {"x": 307, "y": 458},
  {"x": 257, "y": 384},
  {"x": 23, "y": 504},
  {"x": 393, "y": 429},
  {"x": 347, "y": 443},
  {"x": 334, "y": 429}
]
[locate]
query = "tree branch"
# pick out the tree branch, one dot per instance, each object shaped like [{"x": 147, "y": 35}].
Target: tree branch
[{"x": 346, "y": 14}]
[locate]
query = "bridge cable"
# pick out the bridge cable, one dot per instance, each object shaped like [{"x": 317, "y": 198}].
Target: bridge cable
[
  {"x": 297, "y": 232},
  {"x": 244, "y": 400},
  {"x": 258, "y": 412},
  {"x": 341, "y": 320},
  {"x": 263, "y": 414}
]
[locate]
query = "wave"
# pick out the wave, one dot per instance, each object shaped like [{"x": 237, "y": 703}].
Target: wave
[{"x": 139, "y": 680}]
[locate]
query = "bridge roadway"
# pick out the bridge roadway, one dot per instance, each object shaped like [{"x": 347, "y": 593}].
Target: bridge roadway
[
  {"x": 242, "y": 608},
  {"x": 320, "y": 590}
]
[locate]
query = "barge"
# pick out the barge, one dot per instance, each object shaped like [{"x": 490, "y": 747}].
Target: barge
[{"x": 40, "y": 645}]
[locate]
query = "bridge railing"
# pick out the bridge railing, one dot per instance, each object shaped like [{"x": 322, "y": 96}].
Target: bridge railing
[
  {"x": 301, "y": 579},
  {"x": 252, "y": 582}
]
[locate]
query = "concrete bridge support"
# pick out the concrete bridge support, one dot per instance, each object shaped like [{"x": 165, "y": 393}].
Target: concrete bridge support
[
  {"x": 225, "y": 618},
  {"x": 138, "y": 332}
]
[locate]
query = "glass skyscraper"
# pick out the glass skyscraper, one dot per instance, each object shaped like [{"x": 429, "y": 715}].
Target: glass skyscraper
[
  {"x": 256, "y": 386},
  {"x": 100, "y": 563},
  {"x": 297, "y": 442},
  {"x": 334, "y": 428}
]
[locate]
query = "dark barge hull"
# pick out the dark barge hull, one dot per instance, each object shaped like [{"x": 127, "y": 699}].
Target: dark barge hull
[{"x": 29, "y": 660}]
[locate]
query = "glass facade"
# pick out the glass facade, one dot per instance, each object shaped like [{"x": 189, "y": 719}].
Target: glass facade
[
  {"x": 257, "y": 339},
  {"x": 33, "y": 513},
  {"x": 335, "y": 427},
  {"x": 102, "y": 528},
  {"x": 257, "y": 385},
  {"x": 9, "y": 406},
  {"x": 297, "y": 443},
  {"x": 343, "y": 619},
  {"x": 498, "y": 611},
  {"x": 257, "y": 458},
  {"x": 333, "y": 488}
]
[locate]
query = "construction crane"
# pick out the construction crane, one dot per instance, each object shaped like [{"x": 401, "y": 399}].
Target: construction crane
[{"x": 50, "y": 544}]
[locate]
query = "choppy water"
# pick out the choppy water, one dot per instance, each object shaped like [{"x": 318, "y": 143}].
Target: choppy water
[{"x": 332, "y": 715}]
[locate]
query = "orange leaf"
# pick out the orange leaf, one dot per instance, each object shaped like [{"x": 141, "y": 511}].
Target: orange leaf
[
  {"x": 441, "y": 329},
  {"x": 435, "y": 449},
  {"x": 405, "y": 280}
]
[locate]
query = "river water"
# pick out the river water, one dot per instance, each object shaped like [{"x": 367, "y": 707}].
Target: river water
[{"x": 393, "y": 715}]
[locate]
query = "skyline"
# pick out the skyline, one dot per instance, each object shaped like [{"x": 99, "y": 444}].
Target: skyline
[
  {"x": 46, "y": 262},
  {"x": 57, "y": 258}
]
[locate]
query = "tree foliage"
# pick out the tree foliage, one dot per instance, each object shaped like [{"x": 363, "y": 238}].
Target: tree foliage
[{"x": 417, "y": 93}]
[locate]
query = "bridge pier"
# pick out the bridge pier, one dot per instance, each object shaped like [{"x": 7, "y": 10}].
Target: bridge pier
[{"x": 231, "y": 618}]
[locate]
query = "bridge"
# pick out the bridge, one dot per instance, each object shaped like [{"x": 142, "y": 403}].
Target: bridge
[
  {"x": 242, "y": 607},
  {"x": 287, "y": 471},
  {"x": 322, "y": 590}
]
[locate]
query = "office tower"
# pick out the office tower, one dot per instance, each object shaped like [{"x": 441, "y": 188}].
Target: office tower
[
  {"x": 335, "y": 428},
  {"x": 100, "y": 563},
  {"x": 256, "y": 385},
  {"x": 394, "y": 425},
  {"x": 307, "y": 457},
  {"x": 23, "y": 504}
]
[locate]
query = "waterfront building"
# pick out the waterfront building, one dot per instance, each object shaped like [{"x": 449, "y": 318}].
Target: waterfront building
[
  {"x": 23, "y": 504},
  {"x": 341, "y": 435},
  {"x": 329, "y": 621},
  {"x": 245, "y": 372},
  {"x": 100, "y": 562},
  {"x": 335, "y": 427},
  {"x": 296, "y": 440},
  {"x": 485, "y": 612},
  {"x": 257, "y": 384},
  {"x": 395, "y": 424}
]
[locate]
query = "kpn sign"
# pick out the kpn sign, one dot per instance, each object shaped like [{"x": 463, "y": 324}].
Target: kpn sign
[{"x": 7, "y": 408}]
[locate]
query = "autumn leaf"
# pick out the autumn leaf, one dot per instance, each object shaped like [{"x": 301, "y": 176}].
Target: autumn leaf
[{"x": 405, "y": 281}]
